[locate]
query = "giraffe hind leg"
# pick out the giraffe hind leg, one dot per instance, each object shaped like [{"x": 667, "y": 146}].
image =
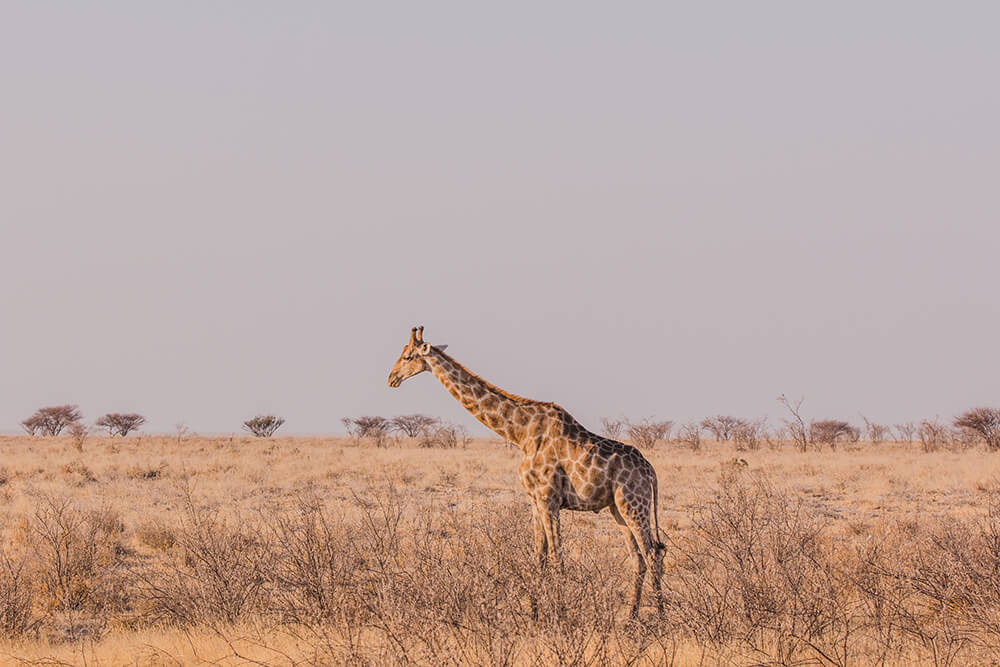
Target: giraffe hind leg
[
  {"x": 651, "y": 551},
  {"x": 638, "y": 562}
]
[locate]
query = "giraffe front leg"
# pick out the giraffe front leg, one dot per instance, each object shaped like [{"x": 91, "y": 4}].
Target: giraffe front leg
[
  {"x": 541, "y": 543},
  {"x": 541, "y": 554},
  {"x": 550, "y": 521}
]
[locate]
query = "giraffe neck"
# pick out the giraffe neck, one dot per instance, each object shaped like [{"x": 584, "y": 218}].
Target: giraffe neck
[{"x": 504, "y": 414}]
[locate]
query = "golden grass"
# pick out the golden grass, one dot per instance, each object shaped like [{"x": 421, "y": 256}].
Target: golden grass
[{"x": 441, "y": 533}]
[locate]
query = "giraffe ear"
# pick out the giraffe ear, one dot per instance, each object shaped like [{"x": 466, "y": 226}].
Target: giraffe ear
[
  {"x": 442, "y": 347},
  {"x": 425, "y": 348}
]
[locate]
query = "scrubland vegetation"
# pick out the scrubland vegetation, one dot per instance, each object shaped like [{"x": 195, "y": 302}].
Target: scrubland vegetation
[{"x": 187, "y": 549}]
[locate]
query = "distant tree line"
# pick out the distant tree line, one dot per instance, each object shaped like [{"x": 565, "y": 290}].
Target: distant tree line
[
  {"x": 425, "y": 430},
  {"x": 978, "y": 425}
]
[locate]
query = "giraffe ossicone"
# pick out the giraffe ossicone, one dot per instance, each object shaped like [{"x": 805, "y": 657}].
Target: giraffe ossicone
[{"x": 565, "y": 466}]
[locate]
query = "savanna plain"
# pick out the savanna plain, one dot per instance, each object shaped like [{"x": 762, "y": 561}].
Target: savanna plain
[{"x": 157, "y": 550}]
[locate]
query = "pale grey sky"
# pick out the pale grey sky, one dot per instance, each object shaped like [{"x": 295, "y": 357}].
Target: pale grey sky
[{"x": 211, "y": 210}]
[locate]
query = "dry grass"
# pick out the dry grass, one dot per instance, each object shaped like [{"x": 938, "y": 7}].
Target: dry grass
[{"x": 166, "y": 550}]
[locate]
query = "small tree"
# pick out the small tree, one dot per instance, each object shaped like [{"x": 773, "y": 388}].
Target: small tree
[
  {"x": 263, "y": 426},
  {"x": 372, "y": 426},
  {"x": 830, "y": 431},
  {"x": 933, "y": 435},
  {"x": 690, "y": 436},
  {"x": 876, "y": 433},
  {"x": 905, "y": 431},
  {"x": 79, "y": 433},
  {"x": 445, "y": 436},
  {"x": 121, "y": 424},
  {"x": 413, "y": 425},
  {"x": 983, "y": 421},
  {"x": 748, "y": 434},
  {"x": 796, "y": 426},
  {"x": 51, "y": 420},
  {"x": 647, "y": 433},
  {"x": 723, "y": 427},
  {"x": 181, "y": 431}
]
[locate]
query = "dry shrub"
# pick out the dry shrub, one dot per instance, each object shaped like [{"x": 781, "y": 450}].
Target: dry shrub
[
  {"x": 156, "y": 535},
  {"x": 78, "y": 473},
  {"x": 933, "y": 435},
  {"x": 748, "y": 434},
  {"x": 16, "y": 600},
  {"x": 373, "y": 427},
  {"x": 647, "y": 433},
  {"x": 445, "y": 436},
  {"x": 795, "y": 426},
  {"x": 757, "y": 570},
  {"x": 905, "y": 431},
  {"x": 613, "y": 428},
  {"x": 218, "y": 573},
  {"x": 146, "y": 471},
  {"x": 689, "y": 435},
  {"x": 876, "y": 433},
  {"x": 762, "y": 570},
  {"x": 438, "y": 586},
  {"x": 79, "y": 562},
  {"x": 78, "y": 434}
]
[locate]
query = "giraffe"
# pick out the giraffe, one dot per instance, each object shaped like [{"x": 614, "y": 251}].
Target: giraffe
[{"x": 565, "y": 466}]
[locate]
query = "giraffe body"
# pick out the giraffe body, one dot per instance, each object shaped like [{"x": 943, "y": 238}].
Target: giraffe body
[{"x": 565, "y": 466}]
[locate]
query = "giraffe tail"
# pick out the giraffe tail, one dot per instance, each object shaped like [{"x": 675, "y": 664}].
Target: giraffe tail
[{"x": 660, "y": 546}]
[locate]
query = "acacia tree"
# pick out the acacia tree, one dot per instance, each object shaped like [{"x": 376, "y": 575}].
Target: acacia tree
[
  {"x": 119, "y": 423},
  {"x": 830, "y": 431},
  {"x": 983, "y": 421},
  {"x": 723, "y": 427},
  {"x": 263, "y": 426},
  {"x": 51, "y": 420},
  {"x": 413, "y": 425},
  {"x": 370, "y": 426}
]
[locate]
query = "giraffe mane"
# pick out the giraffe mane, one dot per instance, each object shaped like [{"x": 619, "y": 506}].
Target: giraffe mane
[
  {"x": 493, "y": 387},
  {"x": 564, "y": 414}
]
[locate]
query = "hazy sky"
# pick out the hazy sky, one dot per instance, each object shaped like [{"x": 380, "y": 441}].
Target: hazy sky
[{"x": 210, "y": 210}]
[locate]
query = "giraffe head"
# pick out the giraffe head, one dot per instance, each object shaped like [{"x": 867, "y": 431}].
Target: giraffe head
[{"x": 413, "y": 359}]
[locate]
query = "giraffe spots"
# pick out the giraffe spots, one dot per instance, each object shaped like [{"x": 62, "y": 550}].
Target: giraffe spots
[{"x": 490, "y": 403}]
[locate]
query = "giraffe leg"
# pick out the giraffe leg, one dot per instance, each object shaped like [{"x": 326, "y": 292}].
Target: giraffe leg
[
  {"x": 636, "y": 516},
  {"x": 541, "y": 553},
  {"x": 541, "y": 543},
  {"x": 638, "y": 562},
  {"x": 550, "y": 521}
]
